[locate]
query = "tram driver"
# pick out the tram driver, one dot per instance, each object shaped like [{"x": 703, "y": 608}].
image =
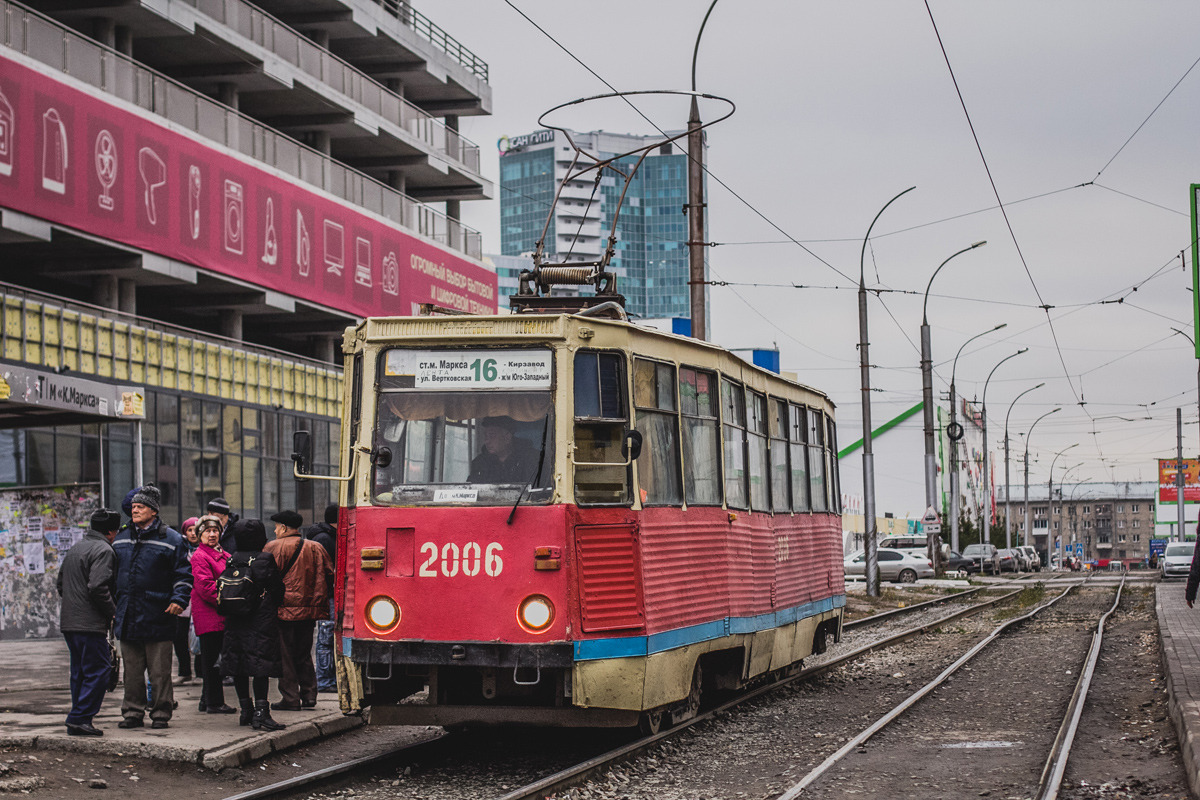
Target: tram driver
[{"x": 505, "y": 457}]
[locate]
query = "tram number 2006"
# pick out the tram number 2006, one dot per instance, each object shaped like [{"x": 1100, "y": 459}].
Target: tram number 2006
[{"x": 470, "y": 559}]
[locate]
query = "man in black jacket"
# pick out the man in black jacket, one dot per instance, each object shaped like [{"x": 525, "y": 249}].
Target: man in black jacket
[{"x": 85, "y": 583}]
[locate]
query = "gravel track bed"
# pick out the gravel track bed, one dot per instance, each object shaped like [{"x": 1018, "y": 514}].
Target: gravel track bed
[
  {"x": 1127, "y": 747},
  {"x": 989, "y": 728}
]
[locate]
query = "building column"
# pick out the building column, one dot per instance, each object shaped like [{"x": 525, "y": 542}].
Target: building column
[
  {"x": 123, "y": 40},
  {"x": 231, "y": 324},
  {"x": 320, "y": 38},
  {"x": 127, "y": 296},
  {"x": 395, "y": 86},
  {"x": 325, "y": 348},
  {"x": 321, "y": 142},
  {"x": 227, "y": 94},
  {"x": 105, "y": 292},
  {"x": 104, "y": 31}
]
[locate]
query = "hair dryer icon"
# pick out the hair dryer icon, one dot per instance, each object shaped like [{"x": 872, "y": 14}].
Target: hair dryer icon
[{"x": 154, "y": 174}]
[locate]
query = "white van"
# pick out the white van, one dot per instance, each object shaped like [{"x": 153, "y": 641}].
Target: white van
[{"x": 913, "y": 545}]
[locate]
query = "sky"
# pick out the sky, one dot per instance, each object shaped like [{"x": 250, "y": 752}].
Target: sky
[{"x": 1065, "y": 134}]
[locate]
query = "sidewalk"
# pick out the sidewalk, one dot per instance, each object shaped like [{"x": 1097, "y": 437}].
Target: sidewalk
[
  {"x": 35, "y": 697},
  {"x": 1179, "y": 634}
]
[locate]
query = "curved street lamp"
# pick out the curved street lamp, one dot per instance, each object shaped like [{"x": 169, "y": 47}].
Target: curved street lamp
[
  {"x": 696, "y": 271},
  {"x": 985, "y": 518},
  {"x": 931, "y": 499},
  {"x": 1028, "y": 521},
  {"x": 1050, "y": 507},
  {"x": 1007, "y": 482},
  {"x": 954, "y": 433},
  {"x": 868, "y": 456}
]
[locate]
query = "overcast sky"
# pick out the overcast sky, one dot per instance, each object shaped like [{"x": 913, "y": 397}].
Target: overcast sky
[{"x": 840, "y": 106}]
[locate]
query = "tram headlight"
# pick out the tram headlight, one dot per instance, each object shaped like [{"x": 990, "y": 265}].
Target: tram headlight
[
  {"x": 535, "y": 613},
  {"x": 382, "y": 613}
]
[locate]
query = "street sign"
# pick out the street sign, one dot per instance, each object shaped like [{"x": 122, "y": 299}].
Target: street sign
[
  {"x": 1158, "y": 546},
  {"x": 931, "y": 523},
  {"x": 1079, "y": 549}
]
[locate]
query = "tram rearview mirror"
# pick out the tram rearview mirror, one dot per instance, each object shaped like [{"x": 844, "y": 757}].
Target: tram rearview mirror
[
  {"x": 632, "y": 446},
  {"x": 302, "y": 452}
]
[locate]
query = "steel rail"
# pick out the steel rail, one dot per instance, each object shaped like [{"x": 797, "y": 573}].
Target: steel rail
[
  {"x": 795, "y": 790},
  {"x": 883, "y": 615},
  {"x": 1060, "y": 751},
  {"x": 574, "y": 775}
]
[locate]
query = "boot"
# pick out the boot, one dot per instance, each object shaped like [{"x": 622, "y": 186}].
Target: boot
[
  {"x": 247, "y": 711},
  {"x": 262, "y": 718}
]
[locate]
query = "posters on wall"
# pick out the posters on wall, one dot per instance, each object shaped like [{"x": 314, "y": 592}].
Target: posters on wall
[{"x": 37, "y": 526}]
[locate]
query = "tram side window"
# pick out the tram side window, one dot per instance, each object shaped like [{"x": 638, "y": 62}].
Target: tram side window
[
  {"x": 835, "y": 478},
  {"x": 798, "y": 450},
  {"x": 733, "y": 412},
  {"x": 781, "y": 495},
  {"x": 658, "y": 468},
  {"x": 756, "y": 451},
  {"x": 816, "y": 460},
  {"x": 701, "y": 437},
  {"x": 601, "y": 422}
]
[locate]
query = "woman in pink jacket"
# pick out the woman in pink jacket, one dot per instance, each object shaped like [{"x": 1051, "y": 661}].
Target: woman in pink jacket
[{"x": 207, "y": 564}]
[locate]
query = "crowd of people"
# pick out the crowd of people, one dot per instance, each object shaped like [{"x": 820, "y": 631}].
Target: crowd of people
[{"x": 230, "y": 606}]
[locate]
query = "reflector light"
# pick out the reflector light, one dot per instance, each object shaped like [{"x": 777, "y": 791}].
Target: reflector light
[
  {"x": 382, "y": 613},
  {"x": 535, "y": 613}
]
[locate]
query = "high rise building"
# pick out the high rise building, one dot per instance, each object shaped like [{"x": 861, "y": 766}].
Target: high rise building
[
  {"x": 651, "y": 254},
  {"x": 196, "y": 198}
]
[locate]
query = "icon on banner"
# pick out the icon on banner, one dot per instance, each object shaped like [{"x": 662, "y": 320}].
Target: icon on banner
[
  {"x": 106, "y": 167},
  {"x": 194, "y": 199},
  {"x": 362, "y": 262},
  {"x": 154, "y": 174},
  {"x": 335, "y": 247},
  {"x": 391, "y": 274},
  {"x": 234, "y": 209},
  {"x": 270, "y": 241},
  {"x": 54, "y": 152},
  {"x": 303, "y": 246},
  {"x": 8, "y": 129}
]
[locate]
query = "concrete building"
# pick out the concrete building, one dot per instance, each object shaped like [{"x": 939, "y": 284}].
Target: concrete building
[
  {"x": 1097, "y": 521},
  {"x": 196, "y": 198},
  {"x": 651, "y": 257}
]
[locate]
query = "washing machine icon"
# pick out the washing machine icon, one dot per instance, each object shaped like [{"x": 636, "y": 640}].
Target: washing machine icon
[{"x": 235, "y": 210}]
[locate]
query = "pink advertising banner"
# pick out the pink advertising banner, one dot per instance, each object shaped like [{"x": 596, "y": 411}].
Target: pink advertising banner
[{"x": 71, "y": 158}]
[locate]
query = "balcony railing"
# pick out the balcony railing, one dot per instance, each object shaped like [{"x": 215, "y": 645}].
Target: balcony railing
[
  {"x": 56, "y": 46},
  {"x": 312, "y": 59},
  {"x": 411, "y": 18}
]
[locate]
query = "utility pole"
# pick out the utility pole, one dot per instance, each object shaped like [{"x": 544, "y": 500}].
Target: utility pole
[
  {"x": 1179, "y": 472},
  {"x": 697, "y": 274}
]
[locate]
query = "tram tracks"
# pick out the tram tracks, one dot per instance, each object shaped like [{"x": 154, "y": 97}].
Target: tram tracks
[{"x": 861, "y": 638}]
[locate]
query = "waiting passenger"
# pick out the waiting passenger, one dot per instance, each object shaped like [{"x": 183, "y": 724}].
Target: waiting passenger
[{"x": 505, "y": 458}]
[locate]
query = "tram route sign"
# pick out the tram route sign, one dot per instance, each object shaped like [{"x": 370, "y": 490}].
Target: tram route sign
[{"x": 470, "y": 369}]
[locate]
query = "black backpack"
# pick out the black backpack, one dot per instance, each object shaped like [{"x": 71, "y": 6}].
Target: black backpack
[{"x": 237, "y": 594}]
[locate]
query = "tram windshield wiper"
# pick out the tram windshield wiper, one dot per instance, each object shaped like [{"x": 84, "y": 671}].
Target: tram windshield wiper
[{"x": 537, "y": 476}]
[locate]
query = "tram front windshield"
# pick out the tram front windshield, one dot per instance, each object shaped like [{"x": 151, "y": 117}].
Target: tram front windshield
[{"x": 465, "y": 448}]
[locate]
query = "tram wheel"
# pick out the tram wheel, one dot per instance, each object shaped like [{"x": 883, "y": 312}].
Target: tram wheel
[
  {"x": 650, "y": 722},
  {"x": 689, "y": 707}
]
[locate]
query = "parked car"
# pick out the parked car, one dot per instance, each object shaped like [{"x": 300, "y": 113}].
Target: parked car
[
  {"x": 894, "y": 565},
  {"x": 986, "y": 555},
  {"x": 958, "y": 563},
  {"x": 1010, "y": 560},
  {"x": 1032, "y": 558},
  {"x": 913, "y": 545},
  {"x": 1176, "y": 560}
]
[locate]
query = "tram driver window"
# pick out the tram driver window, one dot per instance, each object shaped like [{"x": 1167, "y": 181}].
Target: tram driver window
[{"x": 601, "y": 423}]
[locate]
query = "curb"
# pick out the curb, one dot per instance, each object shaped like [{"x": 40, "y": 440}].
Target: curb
[{"x": 1180, "y": 704}]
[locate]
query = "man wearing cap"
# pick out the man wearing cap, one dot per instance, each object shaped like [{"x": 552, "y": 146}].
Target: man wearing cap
[
  {"x": 307, "y": 582},
  {"x": 504, "y": 458},
  {"x": 154, "y": 585},
  {"x": 219, "y": 507},
  {"x": 85, "y": 583}
]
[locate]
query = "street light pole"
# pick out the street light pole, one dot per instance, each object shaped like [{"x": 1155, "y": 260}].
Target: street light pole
[
  {"x": 986, "y": 518},
  {"x": 1050, "y": 508},
  {"x": 931, "y": 499},
  {"x": 1193, "y": 341},
  {"x": 954, "y": 433},
  {"x": 1028, "y": 521},
  {"x": 1007, "y": 481},
  {"x": 868, "y": 456},
  {"x": 697, "y": 275}
]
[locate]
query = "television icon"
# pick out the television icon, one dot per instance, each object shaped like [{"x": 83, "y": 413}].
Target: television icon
[{"x": 335, "y": 247}]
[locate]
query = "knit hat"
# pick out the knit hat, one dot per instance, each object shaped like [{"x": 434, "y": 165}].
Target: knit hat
[
  {"x": 209, "y": 521},
  {"x": 331, "y": 513},
  {"x": 219, "y": 505},
  {"x": 189, "y": 522},
  {"x": 289, "y": 519},
  {"x": 250, "y": 535},
  {"x": 149, "y": 496},
  {"x": 105, "y": 520}
]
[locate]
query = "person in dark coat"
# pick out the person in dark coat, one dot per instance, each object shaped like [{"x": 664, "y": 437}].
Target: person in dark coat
[
  {"x": 1193, "y": 580},
  {"x": 250, "y": 652},
  {"x": 324, "y": 533},
  {"x": 85, "y": 583},
  {"x": 154, "y": 586}
]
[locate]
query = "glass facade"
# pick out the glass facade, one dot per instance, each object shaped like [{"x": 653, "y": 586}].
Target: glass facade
[
  {"x": 526, "y": 194},
  {"x": 193, "y": 449}
]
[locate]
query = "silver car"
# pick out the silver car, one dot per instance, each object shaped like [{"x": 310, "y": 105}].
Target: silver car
[
  {"x": 986, "y": 555},
  {"x": 894, "y": 565},
  {"x": 1177, "y": 559},
  {"x": 1032, "y": 559}
]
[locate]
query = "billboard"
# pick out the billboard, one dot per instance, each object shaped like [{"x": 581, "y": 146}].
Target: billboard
[
  {"x": 94, "y": 164},
  {"x": 1167, "y": 491}
]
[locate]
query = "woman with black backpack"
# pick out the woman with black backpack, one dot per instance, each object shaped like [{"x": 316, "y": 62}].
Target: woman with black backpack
[{"x": 249, "y": 592}]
